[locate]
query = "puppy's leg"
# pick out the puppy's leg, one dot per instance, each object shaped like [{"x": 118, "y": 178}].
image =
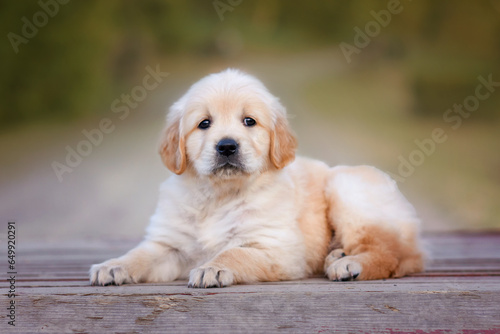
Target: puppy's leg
[
  {"x": 245, "y": 265},
  {"x": 149, "y": 262},
  {"x": 375, "y": 225}
]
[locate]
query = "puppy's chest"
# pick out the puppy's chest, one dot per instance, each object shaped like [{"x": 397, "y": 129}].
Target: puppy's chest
[
  {"x": 244, "y": 218},
  {"x": 217, "y": 224}
]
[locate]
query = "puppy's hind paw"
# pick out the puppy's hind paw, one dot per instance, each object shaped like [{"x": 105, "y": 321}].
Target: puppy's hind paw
[
  {"x": 333, "y": 256},
  {"x": 344, "y": 269}
]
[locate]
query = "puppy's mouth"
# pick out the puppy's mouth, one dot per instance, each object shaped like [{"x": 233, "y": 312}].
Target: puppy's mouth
[{"x": 228, "y": 167}]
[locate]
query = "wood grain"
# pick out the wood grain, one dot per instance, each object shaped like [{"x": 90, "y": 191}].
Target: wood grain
[{"x": 459, "y": 293}]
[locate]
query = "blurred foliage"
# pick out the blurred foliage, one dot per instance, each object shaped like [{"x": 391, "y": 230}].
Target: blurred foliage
[{"x": 92, "y": 50}]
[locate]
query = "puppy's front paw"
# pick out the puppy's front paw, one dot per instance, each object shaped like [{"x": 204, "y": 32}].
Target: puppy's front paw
[
  {"x": 109, "y": 272},
  {"x": 343, "y": 269},
  {"x": 210, "y": 277}
]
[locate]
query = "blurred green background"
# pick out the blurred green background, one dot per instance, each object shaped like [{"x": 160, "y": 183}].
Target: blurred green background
[{"x": 64, "y": 64}]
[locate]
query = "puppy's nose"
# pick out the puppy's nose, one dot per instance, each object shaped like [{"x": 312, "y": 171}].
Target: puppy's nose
[{"x": 227, "y": 147}]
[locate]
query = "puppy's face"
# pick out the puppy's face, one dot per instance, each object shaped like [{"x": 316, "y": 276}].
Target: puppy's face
[
  {"x": 228, "y": 135},
  {"x": 227, "y": 125}
]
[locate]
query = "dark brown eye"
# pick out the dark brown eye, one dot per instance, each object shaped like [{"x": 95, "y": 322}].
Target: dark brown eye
[
  {"x": 248, "y": 121},
  {"x": 205, "y": 124}
]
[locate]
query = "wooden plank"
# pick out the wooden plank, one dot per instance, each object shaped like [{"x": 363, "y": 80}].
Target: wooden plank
[
  {"x": 61, "y": 274},
  {"x": 409, "y": 280},
  {"x": 355, "y": 307},
  {"x": 437, "y": 279},
  {"x": 459, "y": 292},
  {"x": 463, "y": 245},
  {"x": 390, "y": 285},
  {"x": 41, "y": 269}
]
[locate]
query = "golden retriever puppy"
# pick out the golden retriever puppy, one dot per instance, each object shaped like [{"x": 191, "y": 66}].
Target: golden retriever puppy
[{"x": 240, "y": 208}]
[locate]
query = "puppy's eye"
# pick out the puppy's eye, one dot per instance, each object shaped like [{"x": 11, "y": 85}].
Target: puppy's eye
[
  {"x": 205, "y": 124},
  {"x": 248, "y": 121}
]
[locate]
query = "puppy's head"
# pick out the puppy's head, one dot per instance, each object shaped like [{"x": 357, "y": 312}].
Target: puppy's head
[{"x": 227, "y": 125}]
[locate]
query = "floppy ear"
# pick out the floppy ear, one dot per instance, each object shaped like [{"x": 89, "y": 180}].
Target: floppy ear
[
  {"x": 172, "y": 147},
  {"x": 283, "y": 142}
]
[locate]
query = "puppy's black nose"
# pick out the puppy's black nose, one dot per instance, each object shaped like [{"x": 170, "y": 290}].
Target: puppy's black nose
[{"x": 227, "y": 147}]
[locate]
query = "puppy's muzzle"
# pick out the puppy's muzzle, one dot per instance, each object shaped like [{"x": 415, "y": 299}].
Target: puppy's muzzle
[{"x": 227, "y": 147}]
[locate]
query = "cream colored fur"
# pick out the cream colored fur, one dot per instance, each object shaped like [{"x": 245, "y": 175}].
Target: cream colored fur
[{"x": 271, "y": 218}]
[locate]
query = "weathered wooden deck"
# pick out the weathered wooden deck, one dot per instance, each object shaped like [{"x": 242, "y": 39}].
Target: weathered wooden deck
[{"x": 459, "y": 293}]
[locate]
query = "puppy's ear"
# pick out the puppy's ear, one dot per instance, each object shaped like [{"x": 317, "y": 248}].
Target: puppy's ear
[
  {"x": 172, "y": 146},
  {"x": 283, "y": 142}
]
